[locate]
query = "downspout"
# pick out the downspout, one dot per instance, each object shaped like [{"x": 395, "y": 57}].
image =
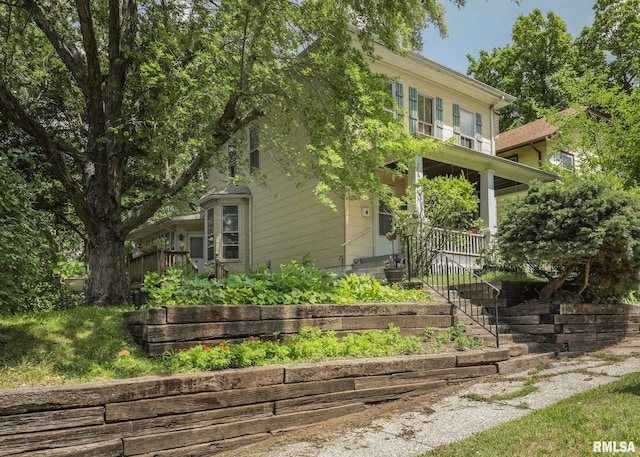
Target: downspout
[
  {"x": 492, "y": 128},
  {"x": 250, "y": 232},
  {"x": 539, "y": 153},
  {"x": 344, "y": 225}
]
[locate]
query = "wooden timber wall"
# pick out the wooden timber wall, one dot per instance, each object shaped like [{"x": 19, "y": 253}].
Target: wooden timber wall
[
  {"x": 573, "y": 327},
  {"x": 176, "y": 327},
  {"x": 205, "y": 413}
]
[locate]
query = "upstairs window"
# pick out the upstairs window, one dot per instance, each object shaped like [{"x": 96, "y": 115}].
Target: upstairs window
[
  {"x": 425, "y": 115},
  {"x": 232, "y": 159},
  {"x": 563, "y": 160},
  {"x": 254, "y": 149},
  {"x": 467, "y": 128}
]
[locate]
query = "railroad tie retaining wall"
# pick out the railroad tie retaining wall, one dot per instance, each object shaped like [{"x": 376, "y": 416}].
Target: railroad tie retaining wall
[
  {"x": 573, "y": 327},
  {"x": 204, "y": 413},
  {"x": 176, "y": 327}
]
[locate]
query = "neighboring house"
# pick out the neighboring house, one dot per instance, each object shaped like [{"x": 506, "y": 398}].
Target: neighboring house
[
  {"x": 255, "y": 224},
  {"x": 531, "y": 144}
]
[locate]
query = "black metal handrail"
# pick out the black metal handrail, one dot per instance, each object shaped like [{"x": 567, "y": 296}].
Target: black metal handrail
[{"x": 458, "y": 284}]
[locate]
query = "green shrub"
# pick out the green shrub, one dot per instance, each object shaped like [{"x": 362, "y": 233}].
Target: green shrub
[
  {"x": 294, "y": 284},
  {"x": 309, "y": 344},
  {"x": 455, "y": 336},
  {"x": 585, "y": 231}
]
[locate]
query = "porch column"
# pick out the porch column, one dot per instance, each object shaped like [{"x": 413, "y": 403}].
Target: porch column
[
  {"x": 416, "y": 172},
  {"x": 488, "y": 207}
]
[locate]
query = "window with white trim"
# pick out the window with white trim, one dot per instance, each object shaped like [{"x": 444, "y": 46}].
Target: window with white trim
[
  {"x": 563, "y": 160},
  {"x": 425, "y": 114},
  {"x": 467, "y": 128},
  {"x": 230, "y": 232},
  {"x": 211, "y": 235},
  {"x": 232, "y": 159}
]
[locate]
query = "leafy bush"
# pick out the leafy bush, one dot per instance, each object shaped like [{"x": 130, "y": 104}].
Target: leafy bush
[
  {"x": 309, "y": 344},
  {"x": 294, "y": 284},
  {"x": 455, "y": 336},
  {"x": 28, "y": 246},
  {"x": 582, "y": 230}
]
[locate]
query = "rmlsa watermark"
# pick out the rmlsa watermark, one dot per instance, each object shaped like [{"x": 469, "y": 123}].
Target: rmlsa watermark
[{"x": 614, "y": 447}]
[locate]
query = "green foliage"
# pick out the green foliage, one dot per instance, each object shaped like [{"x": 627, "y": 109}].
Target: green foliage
[
  {"x": 615, "y": 30},
  {"x": 70, "y": 345},
  {"x": 535, "y": 67},
  {"x": 128, "y": 116},
  {"x": 448, "y": 203},
  {"x": 295, "y": 283},
  {"x": 71, "y": 269},
  {"x": 455, "y": 336},
  {"x": 585, "y": 229},
  {"x": 519, "y": 276},
  {"x": 28, "y": 248},
  {"x": 309, "y": 344}
]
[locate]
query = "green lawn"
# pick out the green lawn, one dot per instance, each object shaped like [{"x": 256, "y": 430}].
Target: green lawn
[
  {"x": 73, "y": 345},
  {"x": 568, "y": 428},
  {"x": 90, "y": 344}
]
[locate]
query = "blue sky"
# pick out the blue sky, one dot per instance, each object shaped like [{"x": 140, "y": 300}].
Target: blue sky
[{"x": 487, "y": 24}]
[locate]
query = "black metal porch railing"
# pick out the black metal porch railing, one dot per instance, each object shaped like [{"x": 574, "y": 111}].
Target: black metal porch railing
[{"x": 455, "y": 282}]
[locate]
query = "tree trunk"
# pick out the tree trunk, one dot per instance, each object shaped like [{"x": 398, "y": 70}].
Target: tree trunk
[
  {"x": 107, "y": 284},
  {"x": 548, "y": 290}
]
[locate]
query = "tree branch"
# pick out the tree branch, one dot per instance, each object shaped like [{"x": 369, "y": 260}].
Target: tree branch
[
  {"x": 66, "y": 50},
  {"x": 53, "y": 148},
  {"x": 95, "y": 109}
]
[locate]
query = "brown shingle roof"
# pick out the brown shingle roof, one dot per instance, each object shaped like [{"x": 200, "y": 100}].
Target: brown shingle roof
[{"x": 529, "y": 133}]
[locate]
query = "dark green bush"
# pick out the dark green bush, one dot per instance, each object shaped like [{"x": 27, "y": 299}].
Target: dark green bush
[{"x": 583, "y": 232}]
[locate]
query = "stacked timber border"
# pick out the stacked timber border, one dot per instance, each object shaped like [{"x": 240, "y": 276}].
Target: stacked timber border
[
  {"x": 202, "y": 414},
  {"x": 573, "y": 327},
  {"x": 177, "y": 327}
]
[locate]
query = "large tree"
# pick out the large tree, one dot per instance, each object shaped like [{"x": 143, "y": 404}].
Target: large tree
[
  {"x": 128, "y": 100},
  {"x": 532, "y": 68},
  {"x": 616, "y": 31}
]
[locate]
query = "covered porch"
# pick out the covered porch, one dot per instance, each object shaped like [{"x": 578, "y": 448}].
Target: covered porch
[{"x": 491, "y": 175}]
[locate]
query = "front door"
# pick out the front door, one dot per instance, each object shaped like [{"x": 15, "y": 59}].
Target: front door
[
  {"x": 196, "y": 251},
  {"x": 383, "y": 221}
]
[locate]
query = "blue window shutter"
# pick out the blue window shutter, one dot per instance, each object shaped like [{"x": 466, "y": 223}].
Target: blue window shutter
[
  {"x": 479, "y": 131},
  {"x": 456, "y": 123},
  {"x": 399, "y": 95},
  {"x": 399, "y": 101},
  {"x": 413, "y": 109},
  {"x": 439, "y": 118}
]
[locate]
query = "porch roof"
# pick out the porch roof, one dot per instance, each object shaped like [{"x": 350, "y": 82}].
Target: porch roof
[
  {"x": 459, "y": 156},
  {"x": 193, "y": 220}
]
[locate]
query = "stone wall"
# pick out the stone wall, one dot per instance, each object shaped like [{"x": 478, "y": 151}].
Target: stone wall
[
  {"x": 175, "y": 327},
  {"x": 573, "y": 327},
  {"x": 201, "y": 414}
]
